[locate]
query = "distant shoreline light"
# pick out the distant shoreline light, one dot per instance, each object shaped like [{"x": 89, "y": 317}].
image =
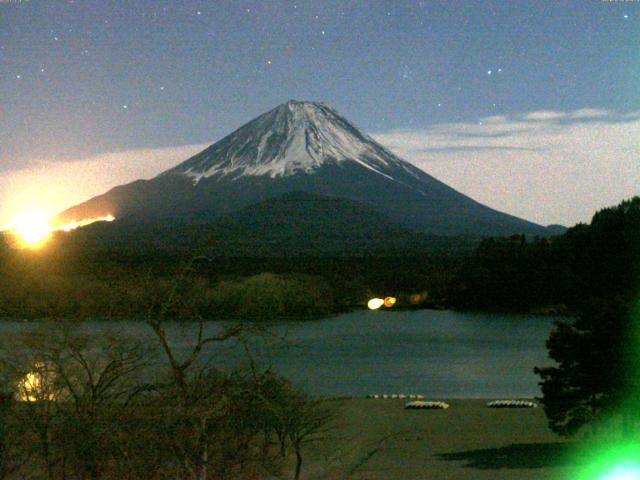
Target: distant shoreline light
[{"x": 376, "y": 303}]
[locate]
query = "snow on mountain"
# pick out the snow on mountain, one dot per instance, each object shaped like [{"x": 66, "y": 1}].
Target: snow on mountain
[{"x": 295, "y": 137}]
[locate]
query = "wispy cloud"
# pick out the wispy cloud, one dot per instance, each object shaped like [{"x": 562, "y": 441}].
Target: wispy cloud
[
  {"x": 470, "y": 148},
  {"x": 546, "y": 166},
  {"x": 49, "y": 187}
]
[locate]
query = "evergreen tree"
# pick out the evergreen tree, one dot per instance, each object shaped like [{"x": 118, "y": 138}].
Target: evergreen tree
[{"x": 596, "y": 356}]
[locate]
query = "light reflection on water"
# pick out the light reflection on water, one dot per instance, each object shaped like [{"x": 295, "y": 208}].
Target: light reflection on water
[{"x": 438, "y": 353}]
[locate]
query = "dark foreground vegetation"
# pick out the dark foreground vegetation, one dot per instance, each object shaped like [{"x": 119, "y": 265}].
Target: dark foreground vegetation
[
  {"x": 259, "y": 271},
  {"x": 69, "y": 278},
  {"x": 79, "y": 406},
  {"x": 595, "y": 379},
  {"x": 599, "y": 260}
]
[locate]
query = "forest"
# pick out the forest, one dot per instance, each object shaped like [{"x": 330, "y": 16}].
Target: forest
[
  {"x": 78, "y": 277},
  {"x": 600, "y": 260}
]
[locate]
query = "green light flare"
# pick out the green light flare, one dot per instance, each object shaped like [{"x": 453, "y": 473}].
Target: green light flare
[
  {"x": 608, "y": 458},
  {"x": 623, "y": 472},
  {"x": 610, "y": 462}
]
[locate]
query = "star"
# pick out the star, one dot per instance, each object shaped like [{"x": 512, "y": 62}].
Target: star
[
  {"x": 162, "y": 87},
  {"x": 439, "y": 105},
  {"x": 125, "y": 107},
  {"x": 499, "y": 70},
  {"x": 198, "y": 12},
  {"x": 268, "y": 62},
  {"x": 489, "y": 72},
  {"x": 55, "y": 39},
  {"x": 18, "y": 77},
  {"x": 322, "y": 32}
]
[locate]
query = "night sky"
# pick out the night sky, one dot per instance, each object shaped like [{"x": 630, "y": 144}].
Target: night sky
[{"x": 532, "y": 107}]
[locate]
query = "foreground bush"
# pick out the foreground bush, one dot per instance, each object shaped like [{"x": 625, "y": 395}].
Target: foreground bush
[{"x": 80, "y": 406}]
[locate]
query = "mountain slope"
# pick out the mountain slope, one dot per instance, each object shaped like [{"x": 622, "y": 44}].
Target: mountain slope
[
  {"x": 303, "y": 147},
  {"x": 311, "y": 224},
  {"x": 292, "y": 224}
]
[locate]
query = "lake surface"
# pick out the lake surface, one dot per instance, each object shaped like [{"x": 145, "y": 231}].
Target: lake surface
[{"x": 440, "y": 354}]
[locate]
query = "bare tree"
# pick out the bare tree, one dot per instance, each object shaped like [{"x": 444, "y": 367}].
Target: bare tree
[
  {"x": 296, "y": 419},
  {"x": 98, "y": 405},
  {"x": 192, "y": 382},
  {"x": 76, "y": 389},
  {"x": 308, "y": 421},
  {"x": 34, "y": 389}
]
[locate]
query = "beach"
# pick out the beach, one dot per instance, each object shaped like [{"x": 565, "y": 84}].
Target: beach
[{"x": 377, "y": 439}]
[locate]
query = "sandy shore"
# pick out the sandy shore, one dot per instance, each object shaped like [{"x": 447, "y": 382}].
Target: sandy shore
[{"x": 379, "y": 439}]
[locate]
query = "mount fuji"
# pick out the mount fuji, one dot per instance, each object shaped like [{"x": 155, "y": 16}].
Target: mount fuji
[{"x": 303, "y": 148}]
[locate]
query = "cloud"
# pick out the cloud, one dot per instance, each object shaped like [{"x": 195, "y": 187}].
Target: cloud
[
  {"x": 543, "y": 115},
  {"x": 471, "y": 148},
  {"x": 49, "y": 187},
  {"x": 590, "y": 113},
  {"x": 546, "y": 166}
]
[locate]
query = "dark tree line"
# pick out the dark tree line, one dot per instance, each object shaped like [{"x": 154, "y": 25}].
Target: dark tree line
[
  {"x": 514, "y": 274},
  {"x": 599, "y": 260},
  {"x": 64, "y": 280}
]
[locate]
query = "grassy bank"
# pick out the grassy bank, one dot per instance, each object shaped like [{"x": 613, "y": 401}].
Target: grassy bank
[{"x": 379, "y": 439}]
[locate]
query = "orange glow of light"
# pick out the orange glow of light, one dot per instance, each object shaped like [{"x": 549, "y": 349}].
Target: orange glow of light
[
  {"x": 419, "y": 297},
  {"x": 36, "y": 385},
  {"x": 390, "y": 302},
  {"x": 375, "y": 303},
  {"x": 83, "y": 223},
  {"x": 32, "y": 230}
]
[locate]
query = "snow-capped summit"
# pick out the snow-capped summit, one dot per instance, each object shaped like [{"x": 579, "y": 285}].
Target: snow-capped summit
[
  {"x": 295, "y": 137},
  {"x": 303, "y": 147}
]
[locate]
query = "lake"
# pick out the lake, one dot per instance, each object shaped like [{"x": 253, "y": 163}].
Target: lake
[{"x": 440, "y": 354}]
